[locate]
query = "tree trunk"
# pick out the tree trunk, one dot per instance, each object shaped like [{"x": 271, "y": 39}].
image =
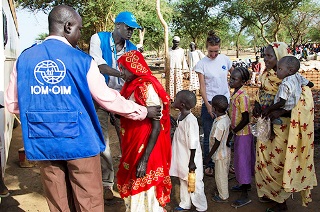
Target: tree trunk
[
  {"x": 141, "y": 35},
  {"x": 166, "y": 46}
]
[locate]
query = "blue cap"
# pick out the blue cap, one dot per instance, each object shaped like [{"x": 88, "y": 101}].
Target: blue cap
[{"x": 127, "y": 18}]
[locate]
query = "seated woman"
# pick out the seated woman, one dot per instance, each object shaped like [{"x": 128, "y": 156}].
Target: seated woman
[{"x": 143, "y": 176}]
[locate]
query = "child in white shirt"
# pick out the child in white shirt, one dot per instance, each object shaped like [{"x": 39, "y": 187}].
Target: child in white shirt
[
  {"x": 220, "y": 150},
  {"x": 187, "y": 154}
]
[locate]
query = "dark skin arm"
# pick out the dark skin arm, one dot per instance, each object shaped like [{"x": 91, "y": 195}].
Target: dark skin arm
[
  {"x": 273, "y": 107},
  {"x": 244, "y": 121},
  {"x": 105, "y": 69},
  {"x": 212, "y": 151},
  {"x": 257, "y": 109},
  {"x": 142, "y": 165},
  {"x": 192, "y": 165},
  {"x": 154, "y": 112},
  {"x": 278, "y": 113}
]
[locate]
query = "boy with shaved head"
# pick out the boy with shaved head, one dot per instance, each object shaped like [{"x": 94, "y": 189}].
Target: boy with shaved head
[
  {"x": 220, "y": 150},
  {"x": 290, "y": 88},
  {"x": 187, "y": 153}
]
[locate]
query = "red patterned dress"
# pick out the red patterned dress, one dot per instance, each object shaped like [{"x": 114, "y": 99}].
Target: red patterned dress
[{"x": 139, "y": 192}]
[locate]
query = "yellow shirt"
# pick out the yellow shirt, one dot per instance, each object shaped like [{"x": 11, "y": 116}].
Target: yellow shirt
[{"x": 239, "y": 103}]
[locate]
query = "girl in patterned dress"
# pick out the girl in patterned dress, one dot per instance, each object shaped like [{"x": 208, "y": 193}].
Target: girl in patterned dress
[{"x": 244, "y": 155}]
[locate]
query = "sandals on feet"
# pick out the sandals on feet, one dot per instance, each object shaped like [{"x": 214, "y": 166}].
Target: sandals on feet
[
  {"x": 178, "y": 208},
  {"x": 4, "y": 191},
  {"x": 240, "y": 202},
  {"x": 265, "y": 199},
  {"x": 278, "y": 208},
  {"x": 218, "y": 199},
  {"x": 5, "y": 195},
  {"x": 209, "y": 172}
]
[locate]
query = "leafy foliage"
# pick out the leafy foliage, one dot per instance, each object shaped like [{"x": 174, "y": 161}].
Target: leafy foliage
[
  {"x": 268, "y": 16},
  {"x": 193, "y": 19},
  {"x": 254, "y": 21},
  {"x": 98, "y": 15}
]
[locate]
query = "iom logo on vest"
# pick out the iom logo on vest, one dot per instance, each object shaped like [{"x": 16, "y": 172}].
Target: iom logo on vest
[{"x": 49, "y": 72}]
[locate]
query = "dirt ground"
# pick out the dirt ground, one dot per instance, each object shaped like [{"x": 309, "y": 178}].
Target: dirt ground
[{"x": 27, "y": 194}]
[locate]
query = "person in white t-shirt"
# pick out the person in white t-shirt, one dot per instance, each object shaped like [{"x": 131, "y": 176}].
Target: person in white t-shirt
[{"x": 212, "y": 73}]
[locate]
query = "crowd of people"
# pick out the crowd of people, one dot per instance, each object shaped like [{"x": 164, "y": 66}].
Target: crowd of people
[
  {"x": 303, "y": 50},
  {"x": 115, "y": 82}
]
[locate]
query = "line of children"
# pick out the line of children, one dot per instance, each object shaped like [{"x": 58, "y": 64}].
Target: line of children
[{"x": 186, "y": 146}]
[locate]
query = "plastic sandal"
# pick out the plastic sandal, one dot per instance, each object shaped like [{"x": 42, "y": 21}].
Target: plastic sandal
[
  {"x": 265, "y": 199},
  {"x": 236, "y": 188},
  {"x": 218, "y": 199},
  {"x": 5, "y": 195},
  {"x": 178, "y": 208},
  {"x": 240, "y": 202}
]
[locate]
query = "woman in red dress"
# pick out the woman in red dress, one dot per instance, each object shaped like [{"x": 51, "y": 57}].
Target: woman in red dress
[{"x": 143, "y": 176}]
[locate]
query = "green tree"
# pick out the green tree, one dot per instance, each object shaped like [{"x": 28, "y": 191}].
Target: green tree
[
  {"x": 193, "y": 19},
  {"x": 42, "y": 36},
  {"x": 266, "y": 15},
  {"x": 241, "y": 14},
  {"x": 302, "y": 21},
  {"x": 98, "y": 15}
]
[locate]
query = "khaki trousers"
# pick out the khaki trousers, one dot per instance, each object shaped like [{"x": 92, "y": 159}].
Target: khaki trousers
[
  {"x": 73, "y": 185},
  {"x": 221, "y": 171}
]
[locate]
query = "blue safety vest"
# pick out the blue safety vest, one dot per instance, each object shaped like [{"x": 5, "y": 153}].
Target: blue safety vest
[
  {"x": 58, "y": 117},
  {"x": 107, "y": 52}
]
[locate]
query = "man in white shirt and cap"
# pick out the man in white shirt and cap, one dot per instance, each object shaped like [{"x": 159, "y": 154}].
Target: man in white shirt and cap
[
  {"x": 106, "y": 48},
  {"x": 178, "y": 65}
]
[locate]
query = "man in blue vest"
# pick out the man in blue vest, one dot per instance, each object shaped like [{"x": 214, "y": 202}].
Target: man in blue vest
[
  {"x": 106, "y": 48},
  {"x": 53, "y": 86}
]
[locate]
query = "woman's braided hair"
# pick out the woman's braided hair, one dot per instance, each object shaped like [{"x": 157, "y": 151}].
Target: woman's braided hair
[{"x": 245, "y": 74}]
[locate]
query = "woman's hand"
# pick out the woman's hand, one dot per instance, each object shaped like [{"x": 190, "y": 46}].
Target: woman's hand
[
  {"x": 277, "y": 113},
  {"x": 209, "y": 109},
  {"x": 266, "y": 112},
  {"x": 154, "y": 112},
  {"x": 256, "y": 110},
  {"x": 142, "y": 167}
]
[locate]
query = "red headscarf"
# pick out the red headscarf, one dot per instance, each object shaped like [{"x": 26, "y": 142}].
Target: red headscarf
[
  {"x": 134, "y": 62},
  {"x": 135, "y": 135}
]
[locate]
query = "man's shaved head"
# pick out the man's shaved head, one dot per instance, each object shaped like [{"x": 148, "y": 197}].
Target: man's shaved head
[
  {"x": 59, "y": 16},
  {"x": 65, "y": 22}
]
